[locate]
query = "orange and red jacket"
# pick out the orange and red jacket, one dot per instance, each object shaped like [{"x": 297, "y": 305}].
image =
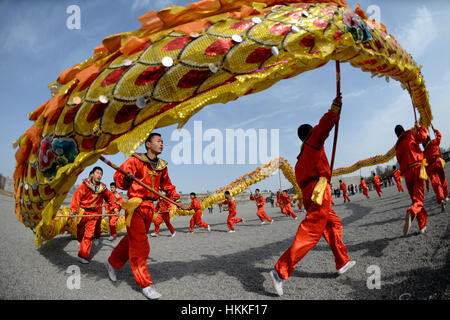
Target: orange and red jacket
[
  {"x": 431, "y": 152},
  {"x": 158, "y": 179},
  {"x": 408, "y": 149},
  {"x": 312, "y": 162},
  {"x": 91, "y": 200}
]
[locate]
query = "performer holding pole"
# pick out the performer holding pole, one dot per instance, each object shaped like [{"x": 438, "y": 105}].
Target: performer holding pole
[
  {"x": 135, "y": 176},
  {"x": 412, "y": 165},
  {"x": 89, "y": 197},
  {"x": 343, "y": 187},
  {"x": 312, "y": 173},
  {"x": 113, "y": 218},
  {"x": 435, "y": 168},
  {"x": 398, "y": 179},
  {"x": 260, "y": 201}
]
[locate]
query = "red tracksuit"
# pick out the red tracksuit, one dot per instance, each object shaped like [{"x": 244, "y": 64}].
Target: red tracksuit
[
  {"x": 434, "y": 169},
  {"x": 163, "y": 208},
  {"x": 320, "y": 220},
  {"x": 377, "y": 185},
  {"x": 260, "y": 201},
  {"x": 398, "y": 180},
  {"x": 113, "y": 220},
  {"x": 287, "y": 205},
  {"x": 91, "y": 201},
  {"x": 231, "y": 220},
  {"x": 363, "y": 185},
  {"x": 280, "y": 204},
  {"x": 197, "y": 216},
  {"x": 409, "y": 156},
  {"x": 343, "y": 187},
  {"x": 134, "y": 246}
]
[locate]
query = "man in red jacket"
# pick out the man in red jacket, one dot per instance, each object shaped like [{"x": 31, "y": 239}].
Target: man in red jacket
[
  {"x": 163, "y": 209},
  {"x": 435, "y": 169},
  {"x": 376, "y": 184},
  {"x": 279, "y": 204},
  {"x": 134, "y": 246},
  {"x": 313, "y": 174},
  {"x": 89, "y": 197},
  {"x": 398, "y": 179},
  {"x": 108, "y": 210},
  {"x": 363, "y": 185},
  {"x": 197, "y": 217},
  {"x": 260, "y": 201},
  {"x": 231, "y": 207},
  {"x": 410, "y": 157},
  {"x": 343, "y": 187},
  {"x": 284, "y": 198}
]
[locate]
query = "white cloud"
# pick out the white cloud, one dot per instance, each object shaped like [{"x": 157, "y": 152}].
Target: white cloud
[{"x": 417, "y": 35}]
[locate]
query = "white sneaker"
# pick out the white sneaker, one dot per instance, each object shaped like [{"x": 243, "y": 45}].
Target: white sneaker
[
  {"x": 271, "y": 221},
  {"x": 422, "y": 231},
  {"x": 295, "y": 218},
  {"x": 173, "y": 234},
  {"x": 209, "y": 228},
  {"x": 151, "y": 293},
  {"x": 263, "y": 222},
  {"x": 154, "y": 234},
  {"x": 243, "y": 220},
  {"x": 111, "y": 271},
  {"x": 112, "y": 238},
  {"x": 96, "y": 242},
  {"x": 277, "y": 282},
  {"x": 82, "y": 260},
  {"x": 447, "y": 199},
  {"x": 347, "y": 266},
  {"x": 407, "y": 223},
  {"x": 231, "y": 231}
]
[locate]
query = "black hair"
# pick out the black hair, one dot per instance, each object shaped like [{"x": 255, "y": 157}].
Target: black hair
[
  {"x": 303, "y": 131},
  {"x": 193, "y": 194},
  {"x": 112, "y": 184},
  {"x": 256, "y": 190},
  {"x": 340, "y": 180},
  {"x": 399, "y": 130},
  {"x": 394, "y": 167},
  {"x": 227, "y": 192},
  {"x": 95, "y": 169},
  {"x": 153, "y": 134},
  {"x": 426, "y": 142}
]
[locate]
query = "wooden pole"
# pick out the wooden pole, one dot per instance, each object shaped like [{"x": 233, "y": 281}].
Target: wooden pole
[{"x": 115, "y": 167}]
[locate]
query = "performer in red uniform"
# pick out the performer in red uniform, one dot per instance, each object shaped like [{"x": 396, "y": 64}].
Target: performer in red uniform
[
  {"x": 197, "y": 216},
  {"x": 260, "y": 201},
  {"x": 376, "y": 184},
  {"x": 231, "y": 207},
  {"x": 89, "y": 196},
  {"x": 363, "y": 185},
  {"x": 410, "y": 158},
  {"x": 134, "y": 246},
  {"x": 163, "y": 209},
  {"x": 435, "y": 169},
  {"x": 343, "y": 187},
  {"x": 313, "y": 174},
  {"x": 113, "y": 219},
  {"x": 398, "y": 179},
  {"x": 279, "y": 203},
  {"x": 287, "y": 205}
]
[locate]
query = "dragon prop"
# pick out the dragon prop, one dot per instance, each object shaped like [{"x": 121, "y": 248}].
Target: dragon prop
[{"x": 179, "y": 61}]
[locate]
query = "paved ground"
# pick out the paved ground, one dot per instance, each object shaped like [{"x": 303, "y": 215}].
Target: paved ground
[{"x": 220, "y": 265}]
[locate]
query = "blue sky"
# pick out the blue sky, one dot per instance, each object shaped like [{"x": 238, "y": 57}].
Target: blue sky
[{"x": 36, "y": 45}]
